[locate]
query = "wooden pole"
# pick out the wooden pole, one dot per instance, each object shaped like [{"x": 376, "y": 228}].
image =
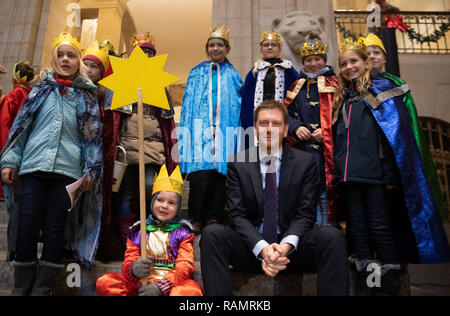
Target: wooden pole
[{"x": 143, "y": 215}]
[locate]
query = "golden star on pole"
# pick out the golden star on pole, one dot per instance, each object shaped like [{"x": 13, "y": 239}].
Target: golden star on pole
[{"x": 139, "y": 71}]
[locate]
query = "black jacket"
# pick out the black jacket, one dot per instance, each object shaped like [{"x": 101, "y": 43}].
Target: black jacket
[
  {"x": 362, "y": 153},
  {"x": 298, "y": 193}
]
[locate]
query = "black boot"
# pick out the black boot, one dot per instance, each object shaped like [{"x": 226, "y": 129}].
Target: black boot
[
  {"x": 24, "y": 274},
  {"x": 45, "y": 278},
  {"x": 390, "y": 280},
  {"x": 362, "y": 276}
]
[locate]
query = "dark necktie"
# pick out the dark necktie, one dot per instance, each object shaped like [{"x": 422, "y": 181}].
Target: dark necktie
[{"x": 270, "y": 204}]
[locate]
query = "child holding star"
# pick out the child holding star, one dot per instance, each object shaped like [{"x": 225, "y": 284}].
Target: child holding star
[
  {"x": 158, "y": 143},
  {"x": 170, "y": 263}
]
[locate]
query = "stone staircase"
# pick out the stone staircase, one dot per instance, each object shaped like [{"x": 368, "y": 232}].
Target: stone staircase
[
  {"x": 66, "y": 285},
  {"x": 244, "y": 284},
  {"x": 5, "y": 268},
  {"x": 424, "y": 279}
]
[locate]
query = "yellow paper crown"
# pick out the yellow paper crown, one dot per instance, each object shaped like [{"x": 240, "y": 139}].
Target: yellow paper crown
[
  {"x": 24, "y": 79},
  {"x": 314, "y": 48},
  {"x": 163, "y": 182},
  {"x": 274, "y": 36},
  {"x": 66, "y": 38},
  {"x": 101, "y": 54},
  {"x": 108, "y": 44},
  {"x": 220, "y": 32},
  {"x": 373, "y": 40},
  {"x": 349, "y": 44}
]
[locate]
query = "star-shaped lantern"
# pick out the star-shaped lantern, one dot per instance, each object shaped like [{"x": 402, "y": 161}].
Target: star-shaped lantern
[{"x": 139, "y": 72}]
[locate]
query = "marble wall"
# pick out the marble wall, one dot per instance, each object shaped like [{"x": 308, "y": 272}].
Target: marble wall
[
  {"x": 21, "y": 34},
  {"x": 248, "y": 19}
]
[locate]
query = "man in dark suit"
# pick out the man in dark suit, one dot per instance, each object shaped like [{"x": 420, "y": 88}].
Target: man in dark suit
[{"x": 272, "y": 193}]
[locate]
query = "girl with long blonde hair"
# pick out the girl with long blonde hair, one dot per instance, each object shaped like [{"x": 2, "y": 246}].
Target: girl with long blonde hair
[
  {"x": 392, "y": 218},
  {"x": 55, "y": 140}
]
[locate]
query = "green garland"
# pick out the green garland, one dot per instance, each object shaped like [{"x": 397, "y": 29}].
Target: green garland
[
  {"x": 433, "y": 38},
  {"x": 347, "y": 33},
  {"x": 412, "y": 34}
]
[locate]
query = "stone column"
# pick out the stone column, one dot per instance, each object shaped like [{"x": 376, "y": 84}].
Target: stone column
[
  {"x": 110, "y": 16},
  {"x": 237, "y": 16},
  {"x": 20, "y": 21},
  {"x": 325, "y": 9}
]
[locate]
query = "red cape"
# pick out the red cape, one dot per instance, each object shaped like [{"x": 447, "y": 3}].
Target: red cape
[
  {"x": 326, "y": 85},
  {"x": 9, "y": 107}
]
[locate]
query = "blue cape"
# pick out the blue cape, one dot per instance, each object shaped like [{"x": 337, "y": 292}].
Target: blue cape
[
  {"x": 393, "y": 118},
  {"x": 194, "y": 134}
]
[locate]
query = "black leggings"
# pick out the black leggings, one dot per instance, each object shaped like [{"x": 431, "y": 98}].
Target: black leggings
[
  {"x": 369, "y": 221},
  {"x": 44, "y": 205},
  {"x": 207, "y": 196}
]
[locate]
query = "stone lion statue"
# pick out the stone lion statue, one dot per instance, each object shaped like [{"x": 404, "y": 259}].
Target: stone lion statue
[{"x": 296, "y": 28}]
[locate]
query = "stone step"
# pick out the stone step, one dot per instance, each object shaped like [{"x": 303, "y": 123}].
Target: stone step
[
  {"x": 72, "y": 280},
  {"x": 4, "y": 292},
  {"x": 6, "y": 273},
  {"x": 67, "y": 277},
  {"x": 3, "y": 237},
  {"x": 244, "y": 284},
  {"x": 3, "y": 216}
]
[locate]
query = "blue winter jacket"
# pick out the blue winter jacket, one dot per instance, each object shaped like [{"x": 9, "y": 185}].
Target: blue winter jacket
[{"x": 53, "y": 143}]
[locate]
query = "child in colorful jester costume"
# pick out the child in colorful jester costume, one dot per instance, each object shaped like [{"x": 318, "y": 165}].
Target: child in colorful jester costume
[
  {"x": 378, "y": 59},
  {"x": 170, "y": 263}
]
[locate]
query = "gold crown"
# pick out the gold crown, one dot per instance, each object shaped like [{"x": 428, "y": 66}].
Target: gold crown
[
  {"x": 101, "y": 54},
  {"x": 316, "y": 47},
  {"x": 24, "y": 79},
  {"x": 220, "y": 32},
  {"x": 274, "y": 36},
  {"x": 373, "y": 40},
  {"x": 108, "y": 44},
  {"x": 66, "y": 38},
  {"x": 142, "y": 38},
  {"x": 163, "y": 182},
  {"x": 350, "y": 44}
]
